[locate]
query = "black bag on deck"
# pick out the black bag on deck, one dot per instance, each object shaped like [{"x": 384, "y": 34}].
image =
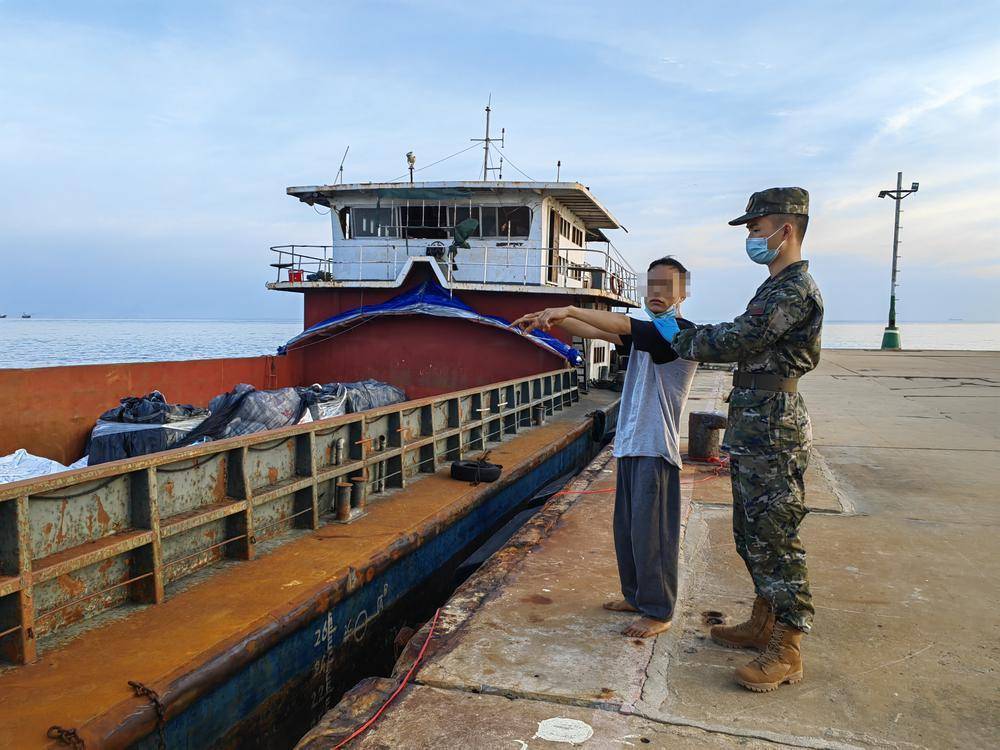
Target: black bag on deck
[
  {"x": 150, "y": 409},
  {"x": 141, "y": 425}
]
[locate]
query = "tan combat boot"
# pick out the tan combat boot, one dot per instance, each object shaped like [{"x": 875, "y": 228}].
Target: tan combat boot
[
  {"x": 754, "y": 633},
  {"x": 779, "y": 663}
]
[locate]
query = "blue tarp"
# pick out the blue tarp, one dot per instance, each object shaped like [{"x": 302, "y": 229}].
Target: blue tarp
[{"x": 430, "y": 298}]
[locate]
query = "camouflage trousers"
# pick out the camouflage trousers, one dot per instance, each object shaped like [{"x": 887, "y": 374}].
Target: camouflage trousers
[{"x": 768, "y": 506}]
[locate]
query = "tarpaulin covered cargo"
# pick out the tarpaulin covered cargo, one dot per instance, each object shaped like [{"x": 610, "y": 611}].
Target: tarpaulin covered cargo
[
  {"x": 141, "y": 425},
  {"x": 110, "y": 441},
  {"x": 430, "y": 298}
]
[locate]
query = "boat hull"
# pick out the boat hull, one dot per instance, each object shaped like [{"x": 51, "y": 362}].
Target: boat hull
[{"x": 270, "y": 701}]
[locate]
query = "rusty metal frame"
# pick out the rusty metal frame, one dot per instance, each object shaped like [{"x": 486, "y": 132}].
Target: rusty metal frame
[{"x": 236, "y": 493}]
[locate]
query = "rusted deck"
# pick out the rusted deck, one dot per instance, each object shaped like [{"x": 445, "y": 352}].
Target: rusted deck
[{"x": 83, "y": 683}]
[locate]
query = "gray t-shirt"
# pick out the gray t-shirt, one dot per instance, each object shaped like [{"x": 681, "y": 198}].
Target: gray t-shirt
[{"x": 653, "y": 396}]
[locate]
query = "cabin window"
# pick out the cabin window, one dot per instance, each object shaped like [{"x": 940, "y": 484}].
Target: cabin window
[
  {"x": 570, "y": 231},
  {"x": 433, "y": 221},
  {"x": 488, "y": 222},
  {"x": 424, "y": 222},
  {"x": 504, "y": 221},
  {"x": 514, "y": 221},
  {"x": 465, "y": 212},
  {"x": 371, "y": 222}
]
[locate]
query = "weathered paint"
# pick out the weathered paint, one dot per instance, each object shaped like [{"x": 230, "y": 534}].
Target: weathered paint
[
  {"x": 306, "y": 660},
  {"x": 402, "y": 523},
  {"x": 220, "y": 498},
  {"x": 437, "y": 358},
  {"x": 416, "y": 551},
  {"x": 81, "y": 393},
  {"x": 439, "y": 355},
  {"x": 324, "y": 303}
]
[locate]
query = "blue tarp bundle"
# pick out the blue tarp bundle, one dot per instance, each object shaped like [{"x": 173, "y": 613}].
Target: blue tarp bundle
[{"x": 430, "y": 298}]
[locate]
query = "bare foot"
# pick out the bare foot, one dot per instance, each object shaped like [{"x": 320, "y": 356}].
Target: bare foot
[
  {"x": 619, "y": 605},
  {"x": 646, "y": 627}
]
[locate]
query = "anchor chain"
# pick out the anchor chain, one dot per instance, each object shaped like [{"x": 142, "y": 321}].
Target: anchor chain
[
  {"x": 142, "y": 691},
  {"x": 65, "y": 736}
]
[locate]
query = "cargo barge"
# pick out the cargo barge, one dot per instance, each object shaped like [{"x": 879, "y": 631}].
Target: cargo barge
[{"x": 216, "y": 595}]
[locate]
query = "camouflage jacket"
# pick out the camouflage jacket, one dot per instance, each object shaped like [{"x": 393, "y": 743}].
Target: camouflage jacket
[{"x": 779, "y": 334}]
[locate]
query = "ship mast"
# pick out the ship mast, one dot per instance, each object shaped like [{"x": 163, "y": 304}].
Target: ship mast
[{"x": 486, "y": 145}]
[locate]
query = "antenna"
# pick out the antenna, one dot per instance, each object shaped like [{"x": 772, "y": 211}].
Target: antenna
[
  {"x": 486, "y": 144},
  {"x": 558, "y": 169},
  {"x": 340, "y": 172}
]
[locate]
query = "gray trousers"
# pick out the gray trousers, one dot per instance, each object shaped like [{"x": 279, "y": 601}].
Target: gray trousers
[{"x": 647, "y": 532}]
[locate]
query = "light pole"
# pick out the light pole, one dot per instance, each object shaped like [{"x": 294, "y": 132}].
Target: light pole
[
  {"x": 890, "y": 337},
  {"x": 411, "y": 161}
]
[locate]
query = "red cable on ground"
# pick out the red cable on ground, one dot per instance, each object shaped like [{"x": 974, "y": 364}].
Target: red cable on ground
[
  {"x": 721, "y": 464},
  {"x": 399, "y": 689}
]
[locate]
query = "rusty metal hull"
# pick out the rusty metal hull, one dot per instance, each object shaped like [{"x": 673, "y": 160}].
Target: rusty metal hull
[
  {"x": 238, "y": 658},
  {"x": 301, "y": 668},
  {"x": 79, "y": 543}
]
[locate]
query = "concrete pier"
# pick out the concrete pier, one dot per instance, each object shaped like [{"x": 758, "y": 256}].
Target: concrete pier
[{"x": 903, "y": 561}]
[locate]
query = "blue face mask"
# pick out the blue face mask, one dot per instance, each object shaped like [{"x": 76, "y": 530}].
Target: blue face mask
[
  {"x": 670, "y": 312},
  {"x": 758, "y": 250},
  {"x": 665, "y": 322}
]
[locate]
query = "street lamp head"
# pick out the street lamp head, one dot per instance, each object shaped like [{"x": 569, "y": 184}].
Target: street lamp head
[
  {"x": 882, "y": 194},
  {"x": 915, "y": 186}
]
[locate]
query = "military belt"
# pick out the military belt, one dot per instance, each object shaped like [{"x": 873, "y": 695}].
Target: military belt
[{"x": 764, "y": 381}]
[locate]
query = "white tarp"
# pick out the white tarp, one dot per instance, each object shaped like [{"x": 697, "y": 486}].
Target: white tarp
[{"x": 22, "y": 465}]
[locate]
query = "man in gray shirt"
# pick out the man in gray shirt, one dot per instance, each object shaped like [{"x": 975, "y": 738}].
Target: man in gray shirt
[{"x": 647, "y": 443}]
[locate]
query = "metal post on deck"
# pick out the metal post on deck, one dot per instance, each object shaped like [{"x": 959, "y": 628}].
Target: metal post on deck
[{"x": 343, "y": 501}]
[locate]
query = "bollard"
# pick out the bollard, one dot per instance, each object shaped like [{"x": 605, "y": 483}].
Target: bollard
[
  {"x": 338, "y": 452},
  {"x": 380, "y": 467},
  {"x": 358, "y": 493},
  {"x": 343, "y": 501},
  {"x": 538, "y": 414},
  {"x": 703, "y": 434}
]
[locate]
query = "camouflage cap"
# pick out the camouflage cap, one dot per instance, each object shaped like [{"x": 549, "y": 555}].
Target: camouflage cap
[{"x": 779, "y": 200}]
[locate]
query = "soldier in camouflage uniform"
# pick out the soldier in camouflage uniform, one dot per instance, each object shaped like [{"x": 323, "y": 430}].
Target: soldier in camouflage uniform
[{"x": 776, "y": 341}]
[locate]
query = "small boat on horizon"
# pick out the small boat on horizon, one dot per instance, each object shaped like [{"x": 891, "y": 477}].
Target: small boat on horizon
[{"x": 25, "y": 315}]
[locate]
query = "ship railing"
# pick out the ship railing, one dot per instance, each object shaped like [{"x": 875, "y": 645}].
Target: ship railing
[
  {"x": 78, "y": 543},
  {"x": 516, "y": 263}
]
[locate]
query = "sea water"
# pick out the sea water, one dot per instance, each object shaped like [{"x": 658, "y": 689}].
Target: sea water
[{"x": 41, "y": 342}]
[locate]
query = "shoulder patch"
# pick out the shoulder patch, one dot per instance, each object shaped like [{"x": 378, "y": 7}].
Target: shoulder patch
[{"x": 756, "y": 308}]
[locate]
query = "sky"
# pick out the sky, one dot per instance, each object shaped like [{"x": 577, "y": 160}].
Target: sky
[{"x": 145, "y": 147}]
